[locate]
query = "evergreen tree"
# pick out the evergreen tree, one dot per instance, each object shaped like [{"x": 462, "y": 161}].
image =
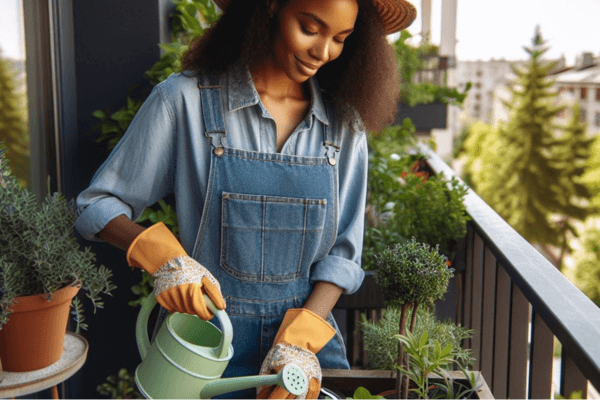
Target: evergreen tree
[
  {"x": 591, "y": 177},
  {"x": 523, "y": 180},
  {"x": 481, "y": 139},
  {"x": 574, "y": 153},
  {"x": 13, "y": 123},
  {"x": 587, "y": 264}
]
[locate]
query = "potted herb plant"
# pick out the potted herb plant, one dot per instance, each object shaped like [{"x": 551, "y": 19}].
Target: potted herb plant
[
  {"x": 42, "y": 268},
  {"x": 411, "y": 276}
]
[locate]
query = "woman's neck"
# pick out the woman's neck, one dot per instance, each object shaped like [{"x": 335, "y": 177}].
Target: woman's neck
[{"x": 273, "y": 82}]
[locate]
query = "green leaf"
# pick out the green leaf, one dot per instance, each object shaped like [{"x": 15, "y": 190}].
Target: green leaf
[{"x": 99, "y": 114}]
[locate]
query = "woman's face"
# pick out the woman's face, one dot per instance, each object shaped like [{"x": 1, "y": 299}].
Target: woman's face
[{"x": 311, "y": 33}]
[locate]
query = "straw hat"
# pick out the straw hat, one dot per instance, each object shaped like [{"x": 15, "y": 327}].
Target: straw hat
[{"x": 396, "y": 15}]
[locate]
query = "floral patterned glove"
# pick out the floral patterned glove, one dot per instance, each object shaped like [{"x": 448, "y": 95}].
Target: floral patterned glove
[
  {"x": 301, "y": 336},
  {"x": 179, "y": 280}
]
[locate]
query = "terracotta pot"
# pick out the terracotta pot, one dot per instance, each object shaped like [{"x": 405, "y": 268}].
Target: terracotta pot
[{"x": 33, "y": 337}]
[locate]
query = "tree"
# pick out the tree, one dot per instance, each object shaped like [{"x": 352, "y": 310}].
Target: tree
[
  {"x": 591, "y": 176},
  {"x": 481, "y": 138},
  {"x": 575, "y": 153},
  {"x": 13, "y": 123},
  {"x": 524, "y": 177},
  {"x": 587, "y": 265}
]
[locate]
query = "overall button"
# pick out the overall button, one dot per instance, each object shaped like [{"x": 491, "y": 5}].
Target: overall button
[
  {"x": 332, "y": 161},
  {"x": 219, "y": 152}
]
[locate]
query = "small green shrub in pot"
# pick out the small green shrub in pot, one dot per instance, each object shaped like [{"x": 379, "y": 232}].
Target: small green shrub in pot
[
  {"x": 381, "y": 344},
  {"x": 411, "y": 274},
  {"x": 39, "y": 251}
]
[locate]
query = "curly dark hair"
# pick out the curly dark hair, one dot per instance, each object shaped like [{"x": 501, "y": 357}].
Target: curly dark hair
[{"x": 364, "y": 76}]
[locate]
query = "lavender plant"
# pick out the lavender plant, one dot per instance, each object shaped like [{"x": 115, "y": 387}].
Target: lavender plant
[{"x": 39, "y": 253}]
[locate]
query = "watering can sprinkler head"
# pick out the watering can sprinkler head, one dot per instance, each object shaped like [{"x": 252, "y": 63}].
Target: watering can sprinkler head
[{"x": 290, "y": 378}]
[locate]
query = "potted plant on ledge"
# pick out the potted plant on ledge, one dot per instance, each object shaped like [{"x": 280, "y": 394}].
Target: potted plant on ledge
[
  {"x": 412, "y": 275},
  {"x": 41, "y": 270}
]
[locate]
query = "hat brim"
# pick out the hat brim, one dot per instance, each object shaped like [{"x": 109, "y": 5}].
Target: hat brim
[{"x": 396, "y": 15}]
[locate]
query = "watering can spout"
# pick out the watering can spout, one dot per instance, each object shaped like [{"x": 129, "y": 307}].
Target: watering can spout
[{"x": 291, "y": 378}]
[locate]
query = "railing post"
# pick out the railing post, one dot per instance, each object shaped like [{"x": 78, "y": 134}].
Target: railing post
[
  {"x": 501, "y": 336},
  {"x": 571, "y": 378},
  {"x": 477, "y": 299},
  {"x": 519, "y": 345},
  {"x": 467, "y": 284},
  {"x": 488, "y": 316},
  {"x": 542, "y": 349}
]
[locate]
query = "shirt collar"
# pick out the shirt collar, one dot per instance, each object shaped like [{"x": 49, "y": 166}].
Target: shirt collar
[{"x": 242, "y": 93}]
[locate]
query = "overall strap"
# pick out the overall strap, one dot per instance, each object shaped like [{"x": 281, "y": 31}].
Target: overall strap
[
  {"x": 331, "y": 145},
  {"x": 212, "y": 112}
]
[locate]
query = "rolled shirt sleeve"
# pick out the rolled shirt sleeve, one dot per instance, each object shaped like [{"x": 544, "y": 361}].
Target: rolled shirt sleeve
[
  {"x": 342, "y": 266},
  {"x": 137, "y": 173}
]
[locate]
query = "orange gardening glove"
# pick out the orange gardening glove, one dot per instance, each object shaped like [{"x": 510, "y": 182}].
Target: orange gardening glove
[
  {"x": 302, "y": 334},
  {"x": 179, "y": 280}
]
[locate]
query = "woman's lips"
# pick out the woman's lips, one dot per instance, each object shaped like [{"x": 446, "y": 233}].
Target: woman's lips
[{"x": 309, "y": 69}]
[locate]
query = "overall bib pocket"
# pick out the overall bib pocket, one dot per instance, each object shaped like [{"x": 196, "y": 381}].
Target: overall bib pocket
[{"x": 269, "y": 238}]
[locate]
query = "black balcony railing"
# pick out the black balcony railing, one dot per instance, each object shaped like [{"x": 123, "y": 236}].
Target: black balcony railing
[{"x": 516, "y": 302}]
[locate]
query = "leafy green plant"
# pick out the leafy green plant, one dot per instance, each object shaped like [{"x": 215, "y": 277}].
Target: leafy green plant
[
  {"x": 430, "y": 210},
  {"x": 427, "y": 356},
  {"x": 39, "y": 251},
  {"x": 120, "y": 386},
  {"x": 410, "y": 61},
  {"x": 411, "y": 274},
  {"x": 380, "y": 342},
  {"x": 363, "y": 393}
]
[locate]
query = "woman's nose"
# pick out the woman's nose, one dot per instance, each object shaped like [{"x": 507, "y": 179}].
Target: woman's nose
[{"x": 321, "y": 50}]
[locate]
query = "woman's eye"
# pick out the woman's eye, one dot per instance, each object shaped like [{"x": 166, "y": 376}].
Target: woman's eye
[
  {"x": 340, "y": 41},
  {"x": 306, "y": 31}
]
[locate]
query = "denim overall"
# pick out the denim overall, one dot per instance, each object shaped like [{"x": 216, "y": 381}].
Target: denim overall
[{"x": 267, "y": 218}]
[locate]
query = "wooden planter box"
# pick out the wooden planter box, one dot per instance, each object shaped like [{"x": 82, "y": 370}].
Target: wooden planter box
[
  {"x": 345, "y": 382},
  {"x": 425, "y": 117}
]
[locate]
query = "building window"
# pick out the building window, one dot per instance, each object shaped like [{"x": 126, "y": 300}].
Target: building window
[
  {"x": 583, "y": 94},
  {"x": 477, "y": 96},
  {"x": 583, "y": 117},
  {"x": 478, "y": 85},
  {"x": 479, "y": 73},
  {"x": 598, "y": 94},
  {"x": 597, "y": 119}
]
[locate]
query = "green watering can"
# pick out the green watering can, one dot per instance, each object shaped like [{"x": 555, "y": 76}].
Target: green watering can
[{"x": 188, "y": 357}]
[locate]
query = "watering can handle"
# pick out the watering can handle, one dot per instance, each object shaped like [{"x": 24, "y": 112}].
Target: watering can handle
[{"x": 141, "y": 327}]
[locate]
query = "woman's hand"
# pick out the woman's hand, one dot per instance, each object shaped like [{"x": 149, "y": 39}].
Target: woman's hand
[
  {"x": 179, "y": 281},
  {"x": 301, "y": 336}
]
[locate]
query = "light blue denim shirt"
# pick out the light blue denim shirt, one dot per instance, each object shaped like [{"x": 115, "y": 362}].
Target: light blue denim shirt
[{"x": 166, "y": 151}]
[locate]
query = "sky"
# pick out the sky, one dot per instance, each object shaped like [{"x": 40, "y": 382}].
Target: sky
[
  {"x": 486, "y": 29},
  {"x": 499, "y": 29}
]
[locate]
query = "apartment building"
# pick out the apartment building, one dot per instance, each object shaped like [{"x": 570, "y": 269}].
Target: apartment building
[
  {"x": 584, "y": 86},
  {"x": 485, "y": 77}
]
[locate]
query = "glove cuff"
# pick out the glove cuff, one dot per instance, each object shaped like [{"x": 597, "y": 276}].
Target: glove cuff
[
  {"x": 304, "y": 328},
  {"x": 153, "y": 248}
]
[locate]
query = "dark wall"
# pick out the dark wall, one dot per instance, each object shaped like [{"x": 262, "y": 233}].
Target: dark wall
[{"x": 114, "y": 42}]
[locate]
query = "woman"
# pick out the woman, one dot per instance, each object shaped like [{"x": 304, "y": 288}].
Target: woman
[{"x": 262, "y": 140}]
